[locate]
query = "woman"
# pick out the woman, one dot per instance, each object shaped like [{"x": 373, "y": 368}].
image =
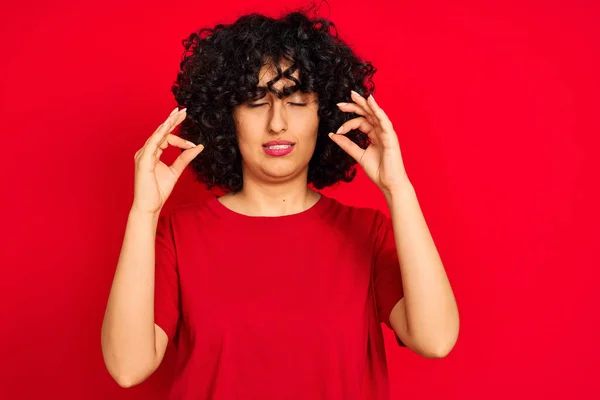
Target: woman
[{"x": 274, "y": 291}]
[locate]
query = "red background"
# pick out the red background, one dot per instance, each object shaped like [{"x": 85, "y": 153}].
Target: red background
[{"x": 495, "y": 104}]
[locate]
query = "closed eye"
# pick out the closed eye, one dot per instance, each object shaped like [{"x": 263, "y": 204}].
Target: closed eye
[{"x": 262, "y": 104}]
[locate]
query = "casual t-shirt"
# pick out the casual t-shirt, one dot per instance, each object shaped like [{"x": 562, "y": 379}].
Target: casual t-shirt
[{"x": 286, "y": 307}]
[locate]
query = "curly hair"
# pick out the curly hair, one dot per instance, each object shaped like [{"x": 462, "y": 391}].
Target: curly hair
[{"x": 219, "y": 70}]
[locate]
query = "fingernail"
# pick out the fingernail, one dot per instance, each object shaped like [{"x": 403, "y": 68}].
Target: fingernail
[
  {"x": 174, "y": 111},
  {"x": 356, "y": 93},
  {"x": 340, "y": 129},
  {"x": 183, "y": 109},
  {"x": 190, "y": 143},
  {"x": 341, "y": 104},
  {"x": 330, "y": 134}
]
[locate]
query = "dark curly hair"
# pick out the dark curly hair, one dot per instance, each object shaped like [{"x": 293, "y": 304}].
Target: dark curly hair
[{"x": 219, "y": 70}]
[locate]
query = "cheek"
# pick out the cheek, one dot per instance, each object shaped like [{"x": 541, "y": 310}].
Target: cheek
[
  {"x": 250, "y": 147},
  {"x": 309, "y": 142},
  {"x": 246, "y": 145},
  {"x": 245, "y": 135}
]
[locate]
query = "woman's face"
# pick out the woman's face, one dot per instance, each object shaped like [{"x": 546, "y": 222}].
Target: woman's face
[{"x": 277, "y": 137}]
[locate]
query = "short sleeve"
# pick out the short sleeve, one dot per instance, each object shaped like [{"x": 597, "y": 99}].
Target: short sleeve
[
  {"x": 387, "y": 279},
  {"x": 166, "y": 280}
]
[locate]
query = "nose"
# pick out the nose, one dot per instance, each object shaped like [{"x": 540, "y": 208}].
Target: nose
[{"x": 278, "y": 118}]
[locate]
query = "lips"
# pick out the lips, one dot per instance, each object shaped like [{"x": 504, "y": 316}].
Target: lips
[
  {"x": 278, "y": 143},
  {"x": 278, "y": 147}
]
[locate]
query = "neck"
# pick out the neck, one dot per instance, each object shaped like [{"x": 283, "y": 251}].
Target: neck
[{"x": 259, "y": 198}]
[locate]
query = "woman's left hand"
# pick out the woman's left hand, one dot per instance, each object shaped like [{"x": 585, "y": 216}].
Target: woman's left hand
[{"x": 382, "y": 160}]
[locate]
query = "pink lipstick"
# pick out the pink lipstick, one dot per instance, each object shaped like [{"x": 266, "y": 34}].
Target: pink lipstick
[{"x": 277, "y": 148}]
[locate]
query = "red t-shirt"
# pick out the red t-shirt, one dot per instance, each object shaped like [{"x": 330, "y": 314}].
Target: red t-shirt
[{"x": 285, "y": 307}]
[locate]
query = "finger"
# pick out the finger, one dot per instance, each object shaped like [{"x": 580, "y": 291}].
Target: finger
[
  {"x": 179, "y": 118},
  {"x": 358, "y": 99},
  {"x": 184, "y": 159},
  {"x": 156, "y": 140},
  {"x": 162, "y": 144},
  {"x": 357, "y": 109},
  {"x": 157, "y": 155},
  {"x": 359, "y": 123},
  {"x": 347, "y": 145},
  {"x": 384, "y": 121},
  {"x": 157, "y": 137},
  {"x": 370, "y": 110},
  {"x": 175, "y": 110},
  {"x": 174, "y": 140},
  {"x": 147, "y": 154},
  {"x": 165, "y": 128},
  {"x": 176, "y": 123}
]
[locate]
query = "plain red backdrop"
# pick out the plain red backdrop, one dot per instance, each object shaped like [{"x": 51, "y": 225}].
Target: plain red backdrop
[{"x": 495, "y": 105}]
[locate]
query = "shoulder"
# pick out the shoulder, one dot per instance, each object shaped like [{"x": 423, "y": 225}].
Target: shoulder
[
  {"x": 368, "y": 219},
  {"x": 182, "y": 214}
]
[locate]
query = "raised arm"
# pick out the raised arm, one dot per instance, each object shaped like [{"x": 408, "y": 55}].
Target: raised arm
[{"x": 133, "y": 346}]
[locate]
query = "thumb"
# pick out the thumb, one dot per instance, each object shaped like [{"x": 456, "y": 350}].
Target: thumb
[
  {"x": 347, "y": 145},
  {"x": 185, "y": 158}
]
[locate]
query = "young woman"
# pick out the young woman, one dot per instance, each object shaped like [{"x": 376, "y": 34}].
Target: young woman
[{"x": 274, "y": 291}]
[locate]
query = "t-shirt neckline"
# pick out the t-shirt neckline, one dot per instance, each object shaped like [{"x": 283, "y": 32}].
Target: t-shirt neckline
[{"x": 314, "y": 211}]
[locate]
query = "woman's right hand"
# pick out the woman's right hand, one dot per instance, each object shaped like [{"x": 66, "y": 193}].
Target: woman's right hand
[{"x": 154, "y": 180}]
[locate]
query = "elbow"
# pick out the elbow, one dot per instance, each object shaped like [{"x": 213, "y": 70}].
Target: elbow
[
  {"x": 431, "y": 351},
  {"x": 125, "y": 379},
  {"x": 123, "y": 373},
  {"x": 441, "y": 345},
  {"x": 435, "y": 353},
  {"x": 439, "y": 348},
  {"x": 126, "y": 369}
]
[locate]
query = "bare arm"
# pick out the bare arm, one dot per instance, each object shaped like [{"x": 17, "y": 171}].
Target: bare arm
[
  {"x": 132, "y": 345},
  {"x": 426, "y": 319}
]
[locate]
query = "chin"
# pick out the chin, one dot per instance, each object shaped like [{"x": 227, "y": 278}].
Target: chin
[
  {"x": 282, "y": 168},
  {"x": 280, "y": 172}
]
